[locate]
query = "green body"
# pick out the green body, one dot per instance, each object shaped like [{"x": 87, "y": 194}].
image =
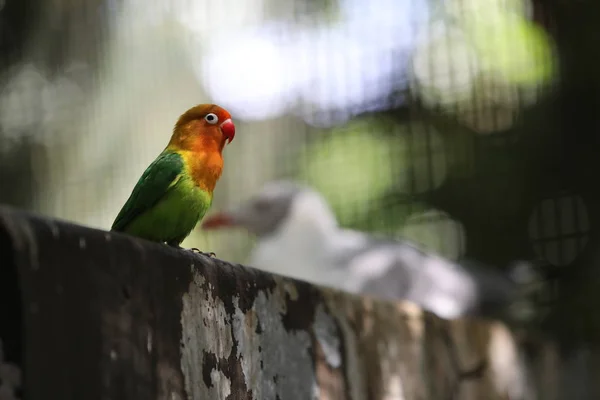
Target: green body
[{"x": 165, "y": 204}]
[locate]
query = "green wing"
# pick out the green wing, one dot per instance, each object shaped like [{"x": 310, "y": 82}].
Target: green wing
[{"x": 158, "y": 178}]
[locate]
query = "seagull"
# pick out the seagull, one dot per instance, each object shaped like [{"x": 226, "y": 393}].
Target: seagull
[{"x": 299, "y": 236}]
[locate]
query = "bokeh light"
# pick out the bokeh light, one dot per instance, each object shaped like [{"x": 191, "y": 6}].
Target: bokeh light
[
  {"x": 474, "y": 54},
  {"x": 251, "y": 73},
  {"x": 444, "y": 67},
  {"x": 352, "y": 163},
  {"x": 436, "y": 231}
]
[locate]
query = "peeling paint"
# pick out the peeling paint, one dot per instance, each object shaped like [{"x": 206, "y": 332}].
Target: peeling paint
[
  {"x": 353, "y": 362},
  {"x": 281, "y": 341},
  {"x": 175, "y": 396},
  {"x": 326, "y": 334},
  {"x": 205, "y": 331},
  {"x": 275, "y": 363},
  {"x": 509, "y": 372},
  {"x": 394, "y": 390},
  {"x": 413, "y": 316},
  {"x": 291, "y": 290},
  {"x": 222, "y": 384},
  {"x": 283, "y": 367},
  {"x": 392, "y": 371},
  {"x": 244, "y": 331},
  {"x": 149, "y": 342}
]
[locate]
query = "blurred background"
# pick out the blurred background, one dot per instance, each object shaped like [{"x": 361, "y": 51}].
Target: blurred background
[{"x": 468, "y": 126}]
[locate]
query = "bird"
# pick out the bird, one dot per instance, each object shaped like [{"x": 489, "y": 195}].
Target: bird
[
  {"x": 176, "y": 190},
  {"x": 299, "y": 236}
]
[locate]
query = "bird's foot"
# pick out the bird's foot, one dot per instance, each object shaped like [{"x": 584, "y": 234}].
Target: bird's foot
[{"x": 196, "y": 250}]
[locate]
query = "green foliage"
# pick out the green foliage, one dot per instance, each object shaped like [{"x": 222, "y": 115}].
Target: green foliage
[{"x": 352, "y": 167}]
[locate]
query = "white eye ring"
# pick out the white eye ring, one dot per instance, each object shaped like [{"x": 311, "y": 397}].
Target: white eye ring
[{"x": 211, "y": 118}]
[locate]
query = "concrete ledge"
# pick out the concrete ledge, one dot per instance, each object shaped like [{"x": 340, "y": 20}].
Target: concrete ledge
[{"x": 88, "y": 314}]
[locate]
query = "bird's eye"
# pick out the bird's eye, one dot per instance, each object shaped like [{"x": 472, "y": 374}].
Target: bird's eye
[{"x": 211, "y": 118}]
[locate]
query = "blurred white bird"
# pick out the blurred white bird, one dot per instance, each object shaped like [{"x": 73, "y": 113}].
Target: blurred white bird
[{"x": 298, "y": 236}]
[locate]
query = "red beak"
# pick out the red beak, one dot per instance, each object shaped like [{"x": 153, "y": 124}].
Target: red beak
[
  {"x": 228, "y": 129},
  {"x": 217, "y": 221}
]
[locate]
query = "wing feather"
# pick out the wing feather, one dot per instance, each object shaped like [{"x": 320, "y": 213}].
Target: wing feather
[{"x": 157, "y": 179}]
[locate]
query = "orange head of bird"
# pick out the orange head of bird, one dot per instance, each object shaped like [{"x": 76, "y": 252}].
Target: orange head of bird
[{"x": 203, "y": 125}]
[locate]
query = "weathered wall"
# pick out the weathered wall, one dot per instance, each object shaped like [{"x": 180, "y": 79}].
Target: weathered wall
[{"x": 105, "y": 316}]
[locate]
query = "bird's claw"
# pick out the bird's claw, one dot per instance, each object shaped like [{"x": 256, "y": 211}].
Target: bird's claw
[{"x": 196, "y": 250}]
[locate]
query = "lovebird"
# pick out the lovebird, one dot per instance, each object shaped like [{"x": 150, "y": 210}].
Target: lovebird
[
  {"x": 176, "y": 190},
  {"x": 298, "y": 236}
]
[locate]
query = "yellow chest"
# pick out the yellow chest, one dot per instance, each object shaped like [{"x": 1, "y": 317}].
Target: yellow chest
[{"x": 204, "y": 168}]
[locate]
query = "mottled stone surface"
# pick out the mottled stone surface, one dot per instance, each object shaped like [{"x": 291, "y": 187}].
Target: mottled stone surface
[{"x": 106, "y": 316}]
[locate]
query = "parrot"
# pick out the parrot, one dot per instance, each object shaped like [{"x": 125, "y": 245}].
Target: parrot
[
  {"x": 176, "y": 190},
  {"x": 298, "y": 236}
]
